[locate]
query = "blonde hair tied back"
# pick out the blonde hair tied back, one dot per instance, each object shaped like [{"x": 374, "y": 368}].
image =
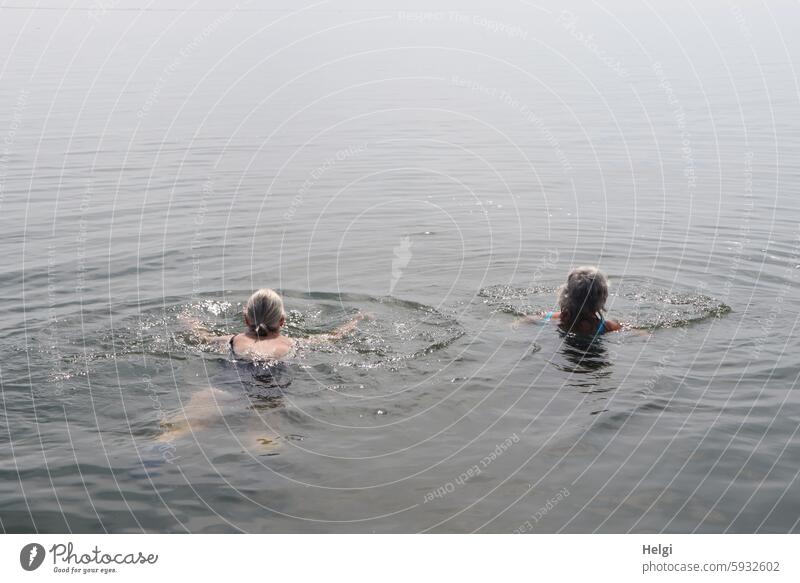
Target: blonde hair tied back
[
  {"x": 584, "y": 294},
  {"x": 264, "y": 311}
]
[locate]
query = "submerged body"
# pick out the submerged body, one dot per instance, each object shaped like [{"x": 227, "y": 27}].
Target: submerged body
[
  {"x": 595, "y": 325},
  {"x": 261, "y": 346}
]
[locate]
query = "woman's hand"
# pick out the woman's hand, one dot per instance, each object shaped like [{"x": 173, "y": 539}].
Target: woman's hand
[
  {"x": 524, "y": 320},
  {"x": 190, "y": 322},
  {"x": 202, "y": 333}
]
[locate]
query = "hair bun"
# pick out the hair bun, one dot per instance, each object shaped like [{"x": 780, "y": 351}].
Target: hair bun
[{"x": 264, "y": 311}]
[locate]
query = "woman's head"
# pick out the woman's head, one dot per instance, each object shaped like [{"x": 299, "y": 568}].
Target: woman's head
[
  {"x": 263, "y": 313},
  {"x": 584, "y": 294}
]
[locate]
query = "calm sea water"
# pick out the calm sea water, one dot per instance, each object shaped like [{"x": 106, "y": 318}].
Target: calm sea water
[{"x": 443, "y": 170}]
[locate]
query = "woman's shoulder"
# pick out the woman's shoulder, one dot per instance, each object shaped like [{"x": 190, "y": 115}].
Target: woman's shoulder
[
  {"x": 239, "y": 340},
  {"x": 277, "y": 348},
  {"x": 284, "y": 347}
]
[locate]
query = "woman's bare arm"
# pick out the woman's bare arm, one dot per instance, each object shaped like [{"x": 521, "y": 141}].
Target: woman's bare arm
[
  {"x": 204, "y": 335},
  {"x": 338, "y": 333},
  {"x": 530, "y": 319},
  {"x": 624, "y": 327},
  {"x": 345, "y": 329}
]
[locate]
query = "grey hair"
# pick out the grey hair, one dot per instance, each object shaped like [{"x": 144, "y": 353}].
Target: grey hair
[
  {"x": 584, "y": 294},
  {"x": 264, "y": 311}
]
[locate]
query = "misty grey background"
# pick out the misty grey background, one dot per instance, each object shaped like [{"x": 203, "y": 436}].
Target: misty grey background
[{"x": 153, "y": 157}]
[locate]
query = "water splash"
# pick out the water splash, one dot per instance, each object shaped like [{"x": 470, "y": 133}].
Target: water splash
[
  {"x": 637, "y": 303},
  {"x": 400, "y": 331}
]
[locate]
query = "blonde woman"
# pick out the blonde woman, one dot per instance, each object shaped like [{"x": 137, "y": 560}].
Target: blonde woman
[
  {"x": 582, "y": 303},
  {"x": 264, "y": 318}
]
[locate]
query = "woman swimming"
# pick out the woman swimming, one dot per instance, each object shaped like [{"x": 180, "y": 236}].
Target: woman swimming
[
  {"x": 582, "y": 302},
  {"x": 264, "y": 318}
]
